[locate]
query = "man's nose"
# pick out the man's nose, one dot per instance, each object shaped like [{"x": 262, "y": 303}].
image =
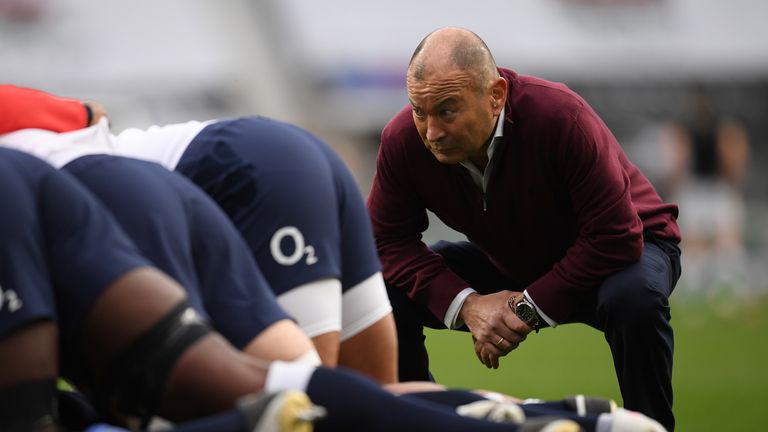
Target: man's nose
[{"x": 434, "y": 131}]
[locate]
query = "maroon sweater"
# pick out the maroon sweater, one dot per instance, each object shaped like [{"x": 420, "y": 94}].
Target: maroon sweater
[{"x": 564, "y": 207}]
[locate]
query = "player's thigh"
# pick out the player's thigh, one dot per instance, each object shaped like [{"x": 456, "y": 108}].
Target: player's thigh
[
  {"x": 292, "y": 226},
  {"x": 360, "y": 259}
]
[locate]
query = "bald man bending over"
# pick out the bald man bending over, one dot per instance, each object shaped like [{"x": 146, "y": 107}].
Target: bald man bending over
[{"x": 562, "y": 227}]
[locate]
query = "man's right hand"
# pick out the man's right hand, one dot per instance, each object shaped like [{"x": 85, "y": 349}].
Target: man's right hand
[{"x": 496, "y": 330}]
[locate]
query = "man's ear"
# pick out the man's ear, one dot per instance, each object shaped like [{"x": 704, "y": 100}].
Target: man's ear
[{"x": 498, "y": 94}]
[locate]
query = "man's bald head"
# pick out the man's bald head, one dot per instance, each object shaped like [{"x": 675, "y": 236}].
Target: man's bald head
[{"x": 452, "y": 48}]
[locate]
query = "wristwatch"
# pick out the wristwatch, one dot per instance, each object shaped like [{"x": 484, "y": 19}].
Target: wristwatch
[{"x": 524, "y": 310}]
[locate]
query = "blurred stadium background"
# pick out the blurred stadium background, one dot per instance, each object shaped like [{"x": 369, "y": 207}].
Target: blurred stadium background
[{"x": 337, "y": 68}]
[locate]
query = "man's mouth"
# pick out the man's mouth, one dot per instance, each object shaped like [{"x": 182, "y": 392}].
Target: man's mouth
[{"x": 445, "y": 150}]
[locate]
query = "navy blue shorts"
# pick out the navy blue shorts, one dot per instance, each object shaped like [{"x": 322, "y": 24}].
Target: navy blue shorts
[
  {"x": 184, "y": 233},
  {"x": 59, "y": 249},
  {"x": 292, "y": 198}
]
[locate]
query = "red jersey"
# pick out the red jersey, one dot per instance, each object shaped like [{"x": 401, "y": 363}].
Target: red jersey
[{"x": 22, "y": 108}]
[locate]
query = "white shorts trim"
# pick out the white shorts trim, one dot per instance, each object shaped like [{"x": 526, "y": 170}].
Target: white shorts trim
[
  {"x": 315, "y": 306},
  {"x": 363, "y": 305}
]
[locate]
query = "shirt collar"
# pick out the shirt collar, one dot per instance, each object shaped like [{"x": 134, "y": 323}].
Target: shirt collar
[
  {"x": 481, "y": 179},
  {"x": 499, "y": 133}
]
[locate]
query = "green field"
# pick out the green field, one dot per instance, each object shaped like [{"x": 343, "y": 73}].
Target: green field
[{"x": 720, "y": 377}]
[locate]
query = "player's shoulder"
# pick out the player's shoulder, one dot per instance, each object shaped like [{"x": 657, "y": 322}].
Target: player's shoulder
[
  {"x": 20, "y": 164},
  {"x": 10, "y": 155}
]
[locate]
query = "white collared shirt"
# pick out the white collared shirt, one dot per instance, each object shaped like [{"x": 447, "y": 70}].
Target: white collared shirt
[{"x": 481, "y": 178}]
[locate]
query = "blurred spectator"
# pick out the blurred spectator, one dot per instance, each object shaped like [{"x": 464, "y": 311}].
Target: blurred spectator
[
  {"x": 705, "y": 158},
  {"x": 22, "y": 10}
]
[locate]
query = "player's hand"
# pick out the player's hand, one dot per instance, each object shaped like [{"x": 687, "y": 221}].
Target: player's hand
[
  {"x": 496, "y": 330},
  {"x": 97, "y": 111}
]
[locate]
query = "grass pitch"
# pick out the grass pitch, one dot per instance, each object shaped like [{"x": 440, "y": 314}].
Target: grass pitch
[{"x": 720, "y": 374}]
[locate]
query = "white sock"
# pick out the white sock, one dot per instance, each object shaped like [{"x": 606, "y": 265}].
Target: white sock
[
  {"x": 288, "y": 376},
  {"x": 311, "y": 358},
  {"x": 604, "y": 423},
  {"x": 627, "y": 421}
]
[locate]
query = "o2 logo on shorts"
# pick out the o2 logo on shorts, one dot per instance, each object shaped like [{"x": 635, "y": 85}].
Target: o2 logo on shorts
[
  {"x": 299, "y": 248},
  {"x": 9, "y": 299}
]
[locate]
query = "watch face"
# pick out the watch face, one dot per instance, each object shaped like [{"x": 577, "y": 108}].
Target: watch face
[{"x": 525, "y": 312}]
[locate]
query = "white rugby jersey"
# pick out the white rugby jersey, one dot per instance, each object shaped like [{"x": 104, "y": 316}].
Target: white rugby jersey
[
  {"x": 160, "y": 144},
  {"x": 58, "y": 149}
]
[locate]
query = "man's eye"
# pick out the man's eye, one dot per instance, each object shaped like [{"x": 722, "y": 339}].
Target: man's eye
[{"x": 418, "y": 113}]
